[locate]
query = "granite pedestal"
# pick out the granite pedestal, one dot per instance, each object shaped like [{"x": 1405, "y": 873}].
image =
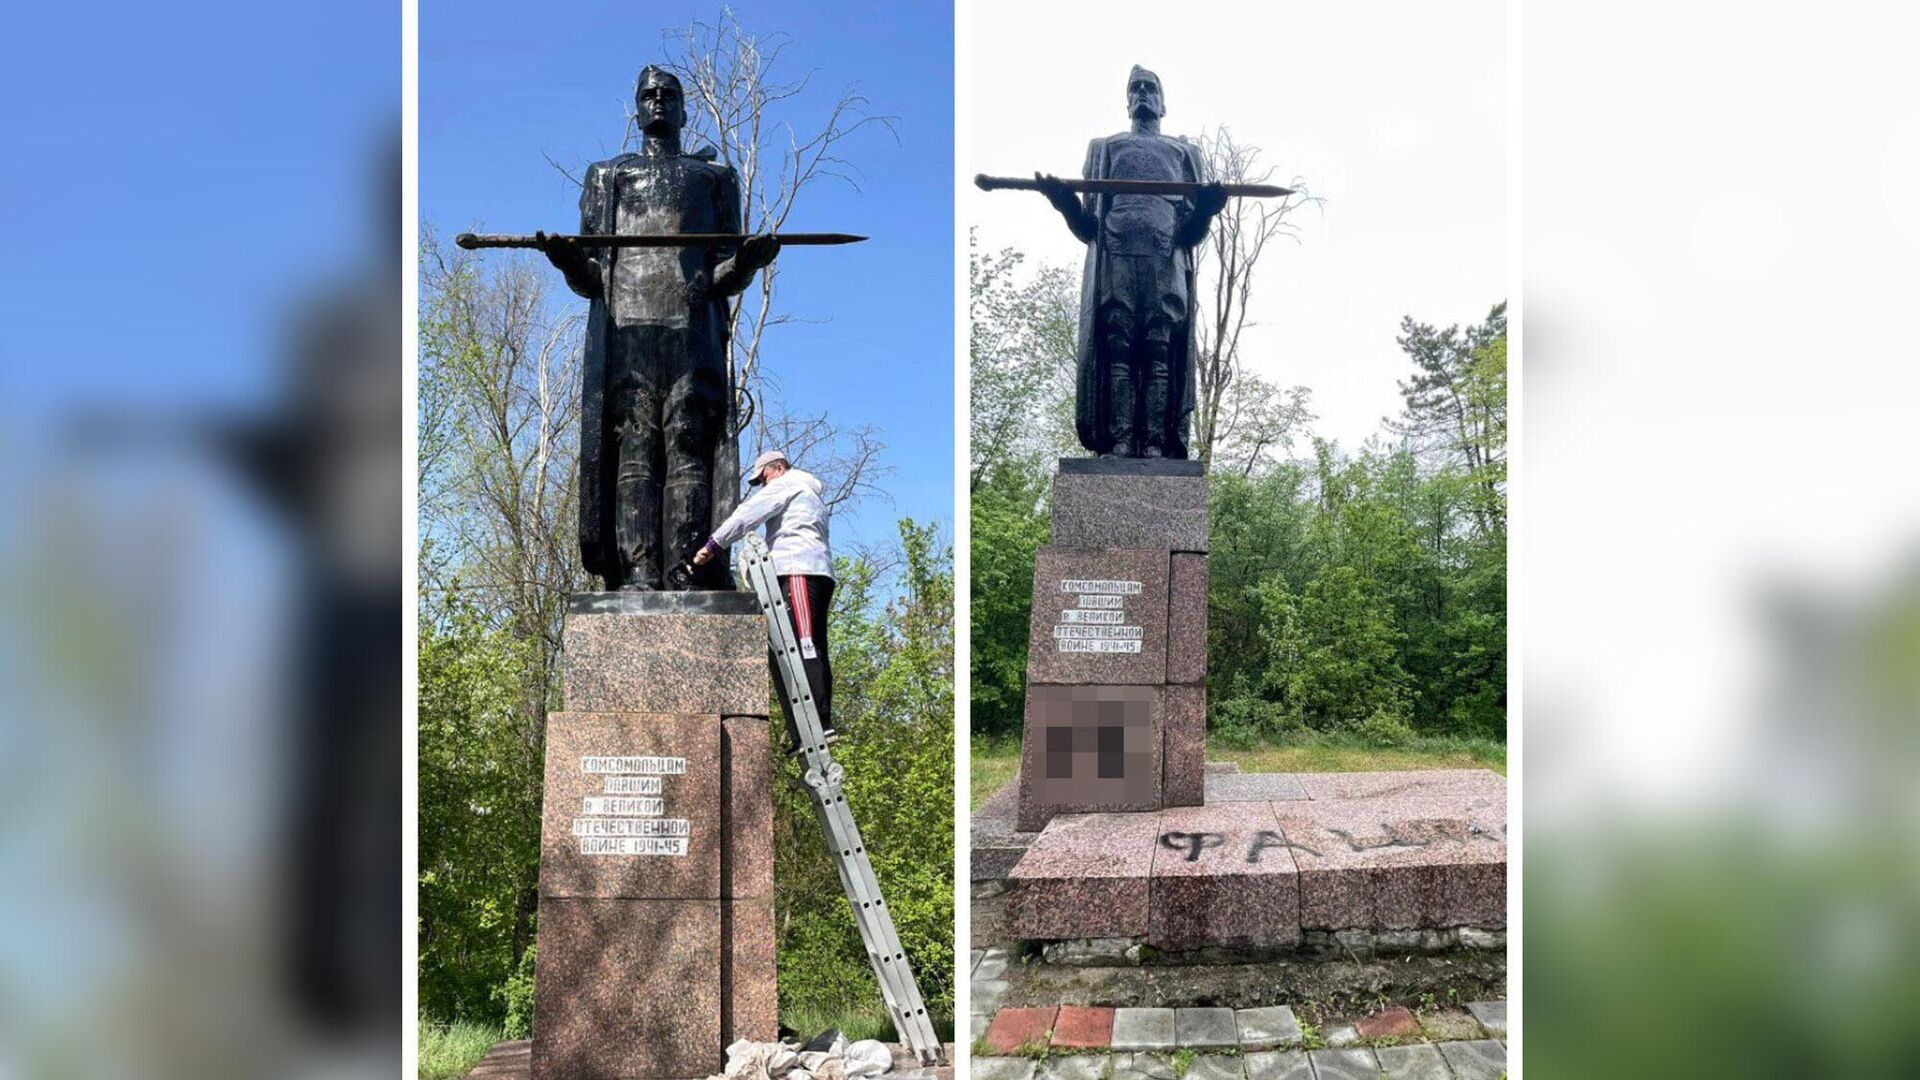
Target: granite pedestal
[
  {"x": 656, "y": 939},
  {"x": 1116, "y": 702}
]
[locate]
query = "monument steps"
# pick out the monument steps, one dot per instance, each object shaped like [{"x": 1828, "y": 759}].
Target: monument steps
[{"x": 1269, "y": 862}]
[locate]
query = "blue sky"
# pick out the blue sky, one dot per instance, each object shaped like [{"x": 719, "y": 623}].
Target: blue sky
[
  {"x": 177, "y": 179},
  {"x": 502, "y": 83}
]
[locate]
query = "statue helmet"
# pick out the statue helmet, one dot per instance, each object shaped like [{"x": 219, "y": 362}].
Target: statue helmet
[
  {"x": 654, "y": 75},
  {"x": 1139, "y": 73}
]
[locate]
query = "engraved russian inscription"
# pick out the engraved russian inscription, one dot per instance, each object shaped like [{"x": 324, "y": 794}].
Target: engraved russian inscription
[
  {"x": 629, "y": 819},
  {"x": 1098, "y": 624}
]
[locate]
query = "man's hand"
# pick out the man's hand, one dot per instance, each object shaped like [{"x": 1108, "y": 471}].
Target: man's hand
[
  {"x": 1210, "y": 199},
  {"x": 758, "y": 252},
  {"x": 703, "y": 556}
]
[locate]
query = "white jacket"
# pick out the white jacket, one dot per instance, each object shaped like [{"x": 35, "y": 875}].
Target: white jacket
[{"x": 796, "y": 523}]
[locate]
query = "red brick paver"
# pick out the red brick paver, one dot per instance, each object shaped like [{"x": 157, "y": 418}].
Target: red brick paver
[
  {"x": 1081, "y": 1027},
  {"x": 1388, "y": 1022},
  {"x": 1013, "y": 1029}
]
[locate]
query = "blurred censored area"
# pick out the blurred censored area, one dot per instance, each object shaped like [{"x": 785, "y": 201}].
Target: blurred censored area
[
  {"x": 1097, "y": 745},
  {"x": 1719, "y": 555},
  {"x": 201, "y": 481}
]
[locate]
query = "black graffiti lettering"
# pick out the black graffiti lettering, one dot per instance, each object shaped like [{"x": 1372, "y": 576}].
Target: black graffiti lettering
[
  {"x": 1267, "y": 838},
  {"x": 1195, "y": 843},
  {"x": 1263, "y": 840}
]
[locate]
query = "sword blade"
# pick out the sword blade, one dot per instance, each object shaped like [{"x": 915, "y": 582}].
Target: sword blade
[
  {"x": 472, "y": 241},
  {"x": 1129, "y": 187}
]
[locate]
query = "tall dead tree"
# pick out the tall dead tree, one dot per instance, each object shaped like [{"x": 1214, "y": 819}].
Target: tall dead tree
[
  {"x": 741, "y": 101},
  {"x": 1227, "y": 261}
]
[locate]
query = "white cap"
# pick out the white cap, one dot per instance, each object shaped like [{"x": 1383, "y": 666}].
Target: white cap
[{"x": 757, "y": 474}]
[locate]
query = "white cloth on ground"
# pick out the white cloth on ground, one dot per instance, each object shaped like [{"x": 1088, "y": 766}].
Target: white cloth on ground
[{"x": 748, "y": 1060}]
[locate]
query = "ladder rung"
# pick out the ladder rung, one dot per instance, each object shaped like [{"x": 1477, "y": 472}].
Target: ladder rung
[{"x": 898, "y": 990}]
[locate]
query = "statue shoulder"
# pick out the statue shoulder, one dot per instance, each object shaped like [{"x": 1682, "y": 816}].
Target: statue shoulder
[
  {"x": 612, "y": 164},
  {"x": 718, "y": 169}
]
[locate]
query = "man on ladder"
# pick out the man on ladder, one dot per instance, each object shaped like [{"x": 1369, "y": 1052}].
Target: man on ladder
[
  {"x": 788, "y": 503},
  {"x": 794, "y": 583}
]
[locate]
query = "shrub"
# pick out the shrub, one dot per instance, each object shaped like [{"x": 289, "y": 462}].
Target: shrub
[{"x": 516, "y": 994}]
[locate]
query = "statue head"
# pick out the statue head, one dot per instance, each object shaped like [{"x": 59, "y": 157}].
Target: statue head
[
  {"x": 659, "y": 105},
  {"x": 1144, "y": 96}
]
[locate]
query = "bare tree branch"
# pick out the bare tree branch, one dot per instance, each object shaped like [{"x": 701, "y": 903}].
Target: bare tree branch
[{"x": 1227, "y": 261}]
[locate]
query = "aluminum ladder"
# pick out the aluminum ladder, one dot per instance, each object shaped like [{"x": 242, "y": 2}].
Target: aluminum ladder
[{"x": 823, "y": 779}]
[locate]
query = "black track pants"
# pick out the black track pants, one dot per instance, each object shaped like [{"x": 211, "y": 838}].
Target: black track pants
[{"x": 808, "y": 597}]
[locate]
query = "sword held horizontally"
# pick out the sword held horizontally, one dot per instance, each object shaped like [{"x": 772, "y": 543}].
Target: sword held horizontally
[
  {"x": 1127, "y": 187},
  {"x": 472, "y": 241}
]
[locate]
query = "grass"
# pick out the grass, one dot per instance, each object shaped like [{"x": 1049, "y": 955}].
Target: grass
[
  {"x": 996, "y": 760},
  {"x": 856, "y": 1020},
  {"x": 1347, "y": 752},
  {"x": 450, "y": 1051}
]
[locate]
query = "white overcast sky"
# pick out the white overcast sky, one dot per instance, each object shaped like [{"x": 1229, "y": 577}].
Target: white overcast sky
[{"x": 1394, "y": 112}]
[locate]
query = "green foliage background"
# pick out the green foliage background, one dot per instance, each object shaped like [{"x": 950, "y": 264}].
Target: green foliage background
[{"x": 893, "y": 704}]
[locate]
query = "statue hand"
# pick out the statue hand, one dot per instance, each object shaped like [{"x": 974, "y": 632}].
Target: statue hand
[
  {"x": 561, "y": 252},
  {"x": 1210, "y": 199},
  {"x": 1058, "y": 194},
  {"x": 759, "y": 251}
]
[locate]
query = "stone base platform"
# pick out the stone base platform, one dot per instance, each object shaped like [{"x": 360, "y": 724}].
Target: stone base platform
[
  {"x": 998, "y": 842},
  {"x": 1271, "y": 861}
]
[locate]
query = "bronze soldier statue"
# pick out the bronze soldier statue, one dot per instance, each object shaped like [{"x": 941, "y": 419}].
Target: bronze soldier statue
[
  {"x": 658, "y": 469},
  {"x": 1135, "y": 382}
]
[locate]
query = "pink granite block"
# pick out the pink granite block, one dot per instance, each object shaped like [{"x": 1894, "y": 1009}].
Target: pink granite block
[
  {"x": 1084, "y": 876},
  {"x": 627, "y": 988},
  {"x": 1113, "y": 600},
  {"x": 1183, "y": 779},
  {"x": 666, "y": 662},
  {"x": 1399, "y": 861},
  {"x": 749, "y": 989},
  {"x": 1223, "y": 875},
  {"x": 1142, "y": 503},
  {"x": 1088, "y": 749},
  {"x": 1187, "y": 619},
  {"x": 746, "y": 808},
  {"x": 631, "y": 806}
]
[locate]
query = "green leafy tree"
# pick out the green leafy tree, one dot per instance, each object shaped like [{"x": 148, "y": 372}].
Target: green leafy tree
[
  {"x": 1021, "y": 342},
  {"x": 1009, "y": 527},
  {"x": 893, "y": 704},
  {"x": 479, "y": 787}
]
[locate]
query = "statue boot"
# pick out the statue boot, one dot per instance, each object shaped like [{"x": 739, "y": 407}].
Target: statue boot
[
  {"x": 637, "y": 530},
  {"x": 1158, "y": 392},
  {"x": 1121, "y": 393}
]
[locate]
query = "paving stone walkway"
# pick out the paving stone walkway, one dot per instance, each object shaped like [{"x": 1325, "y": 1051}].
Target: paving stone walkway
[{"x": 1077, "y": 1042}]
